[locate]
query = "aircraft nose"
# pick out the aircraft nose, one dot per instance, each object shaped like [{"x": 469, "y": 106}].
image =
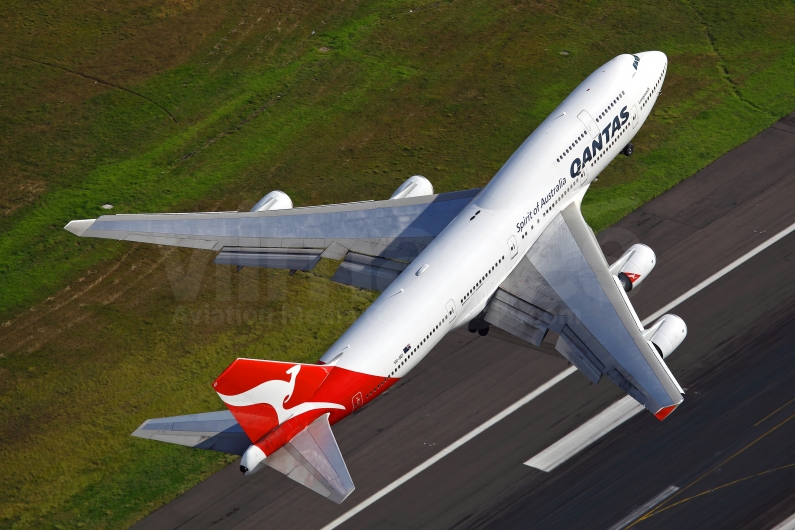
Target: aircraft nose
[
  {"x": 655, "y": 58},
  {"x": 660, "y": 60},
  {"x": 652, "y": 63}
]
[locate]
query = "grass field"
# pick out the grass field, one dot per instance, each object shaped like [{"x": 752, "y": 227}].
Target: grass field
[{"x": 190, "y": 105}]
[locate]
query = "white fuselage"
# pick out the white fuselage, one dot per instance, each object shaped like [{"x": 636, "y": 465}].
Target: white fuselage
[{"x": 473, "y": 255}]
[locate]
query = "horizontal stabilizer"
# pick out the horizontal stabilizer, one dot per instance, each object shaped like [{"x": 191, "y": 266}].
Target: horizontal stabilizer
[
  {"x": 217, "y": 431},
  {"x": 313, "y": 459}
]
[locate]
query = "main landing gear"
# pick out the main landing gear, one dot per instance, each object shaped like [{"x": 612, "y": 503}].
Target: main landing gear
[
  {"x": 628, "y": 149},
  {"x": 479, "y": 325}
]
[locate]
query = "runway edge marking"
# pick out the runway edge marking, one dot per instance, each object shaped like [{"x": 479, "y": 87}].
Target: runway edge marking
[
  {"x": 724, "y": 271},
  {"x": 586, "y": 434},
  {"x": 546, "y": 386},
  {"x": 450, "y": 448},
  {"x": 786, "y": 524},
  {"x": 632, "y": 517}
]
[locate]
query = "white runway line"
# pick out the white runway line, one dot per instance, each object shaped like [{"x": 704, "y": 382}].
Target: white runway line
[
  {"x": 636, "y": 514},
  {"x": 450, "y": 448},
  {"x": 724, "y": 271},
  {"x": 585, "y": 434},
  {"x": 786, "y": 524},
  {"x": 546, "y": 386}
]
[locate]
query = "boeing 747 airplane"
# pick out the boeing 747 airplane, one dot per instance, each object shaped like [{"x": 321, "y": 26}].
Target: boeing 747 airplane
[{"x": 516, "y": 255}]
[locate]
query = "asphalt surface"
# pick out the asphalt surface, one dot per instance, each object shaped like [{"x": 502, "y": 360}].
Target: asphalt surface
[{"x": 726, "y": 447}]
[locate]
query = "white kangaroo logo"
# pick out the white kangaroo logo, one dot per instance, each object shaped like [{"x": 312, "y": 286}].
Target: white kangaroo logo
[{"x": 276, "y": 393}]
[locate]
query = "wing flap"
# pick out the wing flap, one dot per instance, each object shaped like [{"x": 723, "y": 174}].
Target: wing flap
[
  {"x": 519, "y": 318},
  {"x": 574, "y": 349},
  {"x": 300, "y": 259},
  {"x": 368, "y": 272}
]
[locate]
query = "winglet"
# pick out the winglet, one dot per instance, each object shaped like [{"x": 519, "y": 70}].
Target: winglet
[
  {"x": 80, "y": 226},
  {"x": 664, "y": 412}
]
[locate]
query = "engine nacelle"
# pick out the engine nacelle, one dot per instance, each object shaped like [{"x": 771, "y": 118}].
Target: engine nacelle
[
  {"x": 636, "y": 263},
  {"x": 415, "y": 186},
  {"x": 275, "y": 200},
  {"x": 666, "y": 334}
]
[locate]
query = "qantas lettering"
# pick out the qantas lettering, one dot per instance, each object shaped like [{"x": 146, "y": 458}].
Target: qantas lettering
[
  {"x": 624, "y": 116},
  {"x": 576, "y": 165},
  {"x": 608, "y": 132}
]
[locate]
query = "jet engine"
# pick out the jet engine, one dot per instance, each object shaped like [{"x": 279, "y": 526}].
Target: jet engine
[
  {"x": 415, "y": 186},
  {"x": 636, "y": 263},
  {"x": 666, "y": 334},
  {"x": 275, "y": 200}
]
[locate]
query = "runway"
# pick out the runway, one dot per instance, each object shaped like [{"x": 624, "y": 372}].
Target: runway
[{"x": 724, "y": 450}]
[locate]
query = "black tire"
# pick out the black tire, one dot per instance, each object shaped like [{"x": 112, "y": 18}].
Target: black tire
[
  {"x": 628, "y": 149},
  {"x": 483, "y": 332}
]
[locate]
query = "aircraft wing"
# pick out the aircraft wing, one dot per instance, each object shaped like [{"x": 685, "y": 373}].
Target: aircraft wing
[
  {"x": 563, "y": 284},
  {"x": 376, "y": 239}
]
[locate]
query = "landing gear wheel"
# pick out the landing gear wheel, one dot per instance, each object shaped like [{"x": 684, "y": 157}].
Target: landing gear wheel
[
  {"x": 628, "y": 149},
  {"x": 483, "y": 332}
]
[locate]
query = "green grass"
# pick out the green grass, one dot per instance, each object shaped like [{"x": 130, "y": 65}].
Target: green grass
[{"x": 99, "y": 336}]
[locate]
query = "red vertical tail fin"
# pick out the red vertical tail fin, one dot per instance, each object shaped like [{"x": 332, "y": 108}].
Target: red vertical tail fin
[{"x": 263, "y": 394}]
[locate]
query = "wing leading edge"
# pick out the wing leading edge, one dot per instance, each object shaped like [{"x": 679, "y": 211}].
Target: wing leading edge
[{"x": 563, "y": 284}]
